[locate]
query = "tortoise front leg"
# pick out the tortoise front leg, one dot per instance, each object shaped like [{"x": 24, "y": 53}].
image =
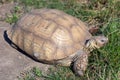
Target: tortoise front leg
[{"x": 80, "y": 64}]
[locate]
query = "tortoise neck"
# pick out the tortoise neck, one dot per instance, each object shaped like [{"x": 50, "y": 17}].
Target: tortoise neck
[{"x": 90, "y": 45}]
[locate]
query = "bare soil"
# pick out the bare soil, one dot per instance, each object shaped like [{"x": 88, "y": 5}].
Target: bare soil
[{"x": 13, "y": 62}]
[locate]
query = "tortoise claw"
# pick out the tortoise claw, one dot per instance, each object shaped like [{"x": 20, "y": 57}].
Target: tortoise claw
[{"x": 80, "y": 73}]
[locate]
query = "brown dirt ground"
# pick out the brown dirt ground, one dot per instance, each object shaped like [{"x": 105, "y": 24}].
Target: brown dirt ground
[{"x": 13, "y": 62}]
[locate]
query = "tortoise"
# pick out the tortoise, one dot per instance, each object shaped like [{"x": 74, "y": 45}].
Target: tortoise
[{"x": 52, "y": 36}]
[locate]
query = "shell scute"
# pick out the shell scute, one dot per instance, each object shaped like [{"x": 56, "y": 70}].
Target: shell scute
[
  {"x": 49, "y": 50},
  {"x": 45, "y": 28},
  {"x": 62, "y": 37}
]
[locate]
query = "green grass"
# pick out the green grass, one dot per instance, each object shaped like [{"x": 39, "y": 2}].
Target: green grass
[
  {"x": 104, "y": 64},
  {"x": 13, "y": 18}
]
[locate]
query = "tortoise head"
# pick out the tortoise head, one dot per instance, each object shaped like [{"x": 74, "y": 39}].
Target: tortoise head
[{"x": 96, "y": 42}]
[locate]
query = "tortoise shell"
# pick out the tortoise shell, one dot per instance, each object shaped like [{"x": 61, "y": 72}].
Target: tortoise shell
[{"x": 49, "y": 34}]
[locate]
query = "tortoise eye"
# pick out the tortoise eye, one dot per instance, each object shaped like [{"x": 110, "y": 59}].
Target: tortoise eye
[{"x": 102, "y": 40}]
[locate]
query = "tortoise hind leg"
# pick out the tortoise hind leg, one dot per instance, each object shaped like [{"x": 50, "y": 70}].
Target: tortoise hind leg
[{"x": 80, "y": 64}]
